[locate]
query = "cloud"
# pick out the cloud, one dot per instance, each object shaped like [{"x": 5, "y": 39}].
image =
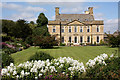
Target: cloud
[
  {"x": 99, "y": 16},
  {"x": 111, "y": 25},
  {"x": 22, "y": 8},
  {"x": 72, "y": 10}
]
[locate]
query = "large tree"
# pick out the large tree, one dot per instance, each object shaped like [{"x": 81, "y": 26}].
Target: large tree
[
  {"x": 22, "y": 29},
  {"x": 42, "y": 20},
  {"x": 7, "y": 26},
  {"x": 41, "y": 28}
]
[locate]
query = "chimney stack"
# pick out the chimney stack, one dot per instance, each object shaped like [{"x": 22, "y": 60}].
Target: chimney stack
[
  {"x": 90, "y": 9},
  {"x": 56, "y": 11}
]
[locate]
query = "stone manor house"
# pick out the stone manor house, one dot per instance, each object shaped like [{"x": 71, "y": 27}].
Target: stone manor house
[{"x": 77, "y": 28}]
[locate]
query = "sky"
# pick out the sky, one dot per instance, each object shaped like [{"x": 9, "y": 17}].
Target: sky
[{"x": 107, "y": 11}]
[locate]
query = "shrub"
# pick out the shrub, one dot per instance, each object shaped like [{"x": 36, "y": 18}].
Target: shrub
[
  {"x": 109, "y": 71},
  {"x": 62, "y": 44},
  {"x": 6, "y": 59},
  {"x": 41, "y": 56},
  {"x": 45, "y": 41},
  {"x": 29, "y": 40}
]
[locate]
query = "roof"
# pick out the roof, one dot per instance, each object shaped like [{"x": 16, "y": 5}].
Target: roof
[
  {"x": 99, "y": 22},
  {"x": 70, "y": 17}
]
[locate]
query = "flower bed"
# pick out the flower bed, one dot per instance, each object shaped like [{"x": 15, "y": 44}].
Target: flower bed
[{"x": 64, "y": 67}]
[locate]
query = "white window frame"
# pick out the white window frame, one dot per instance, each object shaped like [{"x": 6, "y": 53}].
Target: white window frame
[
  {"x": 69, "y": 28},
  {"x": 63, "y": 29},
  {"x": 81, "y": 27},
  {"x": 75, "y": 28},
  {"x": 88, "y": 27},
  {"x": 97, "y": 39},
  {"x": 98, "y": 27},
  {"x": 53, "y": 27}
]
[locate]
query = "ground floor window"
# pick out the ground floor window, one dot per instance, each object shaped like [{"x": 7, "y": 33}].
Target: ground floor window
[
  {"x": 70, "y": 39},
  {"x": 81, "y": 39},
  {"x": 88, "y": 39},
  {"x": 75, "y": 39},
  {"x": 62, "y": 39},
  {"x": 97, "y": 39}
]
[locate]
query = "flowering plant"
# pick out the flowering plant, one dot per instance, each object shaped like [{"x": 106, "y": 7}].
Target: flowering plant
[{"x": 65, "y": 67}]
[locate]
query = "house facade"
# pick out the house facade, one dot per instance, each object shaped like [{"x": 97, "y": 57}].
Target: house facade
[{"x": 76, "y": 28}]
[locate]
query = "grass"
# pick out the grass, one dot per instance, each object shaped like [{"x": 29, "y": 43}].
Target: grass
[{"x": 83, "y": 54}]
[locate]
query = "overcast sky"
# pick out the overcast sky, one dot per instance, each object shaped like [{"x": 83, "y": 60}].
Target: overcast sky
[{"x": 107, "y": 11}]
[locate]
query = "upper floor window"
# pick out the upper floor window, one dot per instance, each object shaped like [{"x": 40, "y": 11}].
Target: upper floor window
[
  {"x": 62, "y": 30},
  {"x": 98, "y": 29},
  {"x": 81, "y": 30},
  {"x": 69, "y": 28},
  {"x": 75, "y": 28},
  {"x": 88, "y": 39},
  {"x": 88, "y": 29},
  {"x": 70, "y": 39},
  {"x": 54, "y": 29},
  {"x": 75, "y": 39},
  {"x": 97, "y": 39},
  {"x": 81, "y": 39}
]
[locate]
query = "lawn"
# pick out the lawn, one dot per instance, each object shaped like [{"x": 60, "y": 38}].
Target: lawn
[{"x": 79, "y": 53}]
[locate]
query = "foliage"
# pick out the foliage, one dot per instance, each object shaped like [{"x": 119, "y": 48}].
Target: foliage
[
  {"x": 62, "y": 44},
  {"x": 42, "y": 20},
  {"x": 32, "y": 25},
  {"x": 29, "y": 40},
  {"x": 45, "y": 41},
  {"x": 6, "y": 59},
  {"x": 113, "y": 41},
  {"x": 41, "y": 31},
  {"x": 22, "y": 29},
  {"x": 7, "y": 26},
  {"x": 109, "y": 71},
  {"x": 40, "y": 56},
  {"x": 5, "y": 38}
]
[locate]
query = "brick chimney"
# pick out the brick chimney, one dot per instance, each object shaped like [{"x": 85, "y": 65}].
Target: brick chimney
[
  {"x": 90, "y": 9},
  {"x": 56, "y": 11}
]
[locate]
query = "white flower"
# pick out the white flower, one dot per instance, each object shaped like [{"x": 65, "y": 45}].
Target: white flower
[
  {"x": 4, "y": 71},
  {"x": 22, "y": 73},
  {"x": 112, "y": 55},
  {"x": 8, "y": 74},
  {"x": 17, "y": 76},
  {"x": 11, "y": 64},
  {"x": 36, "y": 77},
  {"x": 14, "y": 72},
  {"x": 40, "y": 75}
]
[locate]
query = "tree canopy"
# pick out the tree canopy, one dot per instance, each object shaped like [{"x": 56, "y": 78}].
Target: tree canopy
[{"x": 42, "y": 20}]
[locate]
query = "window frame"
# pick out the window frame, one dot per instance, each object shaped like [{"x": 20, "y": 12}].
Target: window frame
[
  {"x": 62, "y": 29},
  {"x": 98, "y": 39},
  {"x": 81, "y": 28},
  {"x": 98, "y": 29},
  {"x": 53, "y": 28},
  {"x": 75, "y": 28},
  {"x": 88, "y": 28},
  {"x": 88, "y": 39},
  {"x": 70, "y": 28}
]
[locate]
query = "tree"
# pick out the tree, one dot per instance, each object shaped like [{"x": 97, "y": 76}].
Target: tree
[
  {"x": 41, "y": 28},
  {"x": 113, "y": 41},
  {"x": 42, "y": 20},
  {"x": 32, "y": 25},
  {"x": 22, "y": 29},
  {"x": 7, "y": 26}
]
